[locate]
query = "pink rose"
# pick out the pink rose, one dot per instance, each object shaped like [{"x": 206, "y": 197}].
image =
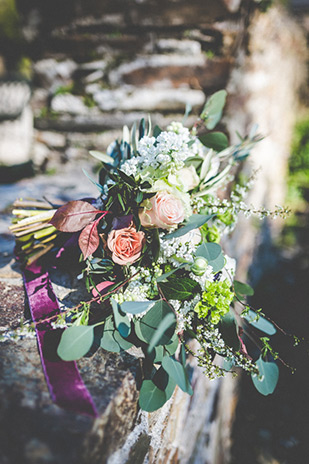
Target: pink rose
[
  {"x": 166, "y": 211},
  {"x": 125, "y": 244}
]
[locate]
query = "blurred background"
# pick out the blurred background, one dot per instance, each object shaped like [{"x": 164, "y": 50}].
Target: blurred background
[{"x": 73, "y": 72}]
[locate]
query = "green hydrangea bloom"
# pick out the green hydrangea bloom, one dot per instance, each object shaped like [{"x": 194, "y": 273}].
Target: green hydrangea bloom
[{"x": 215, "y": 302}]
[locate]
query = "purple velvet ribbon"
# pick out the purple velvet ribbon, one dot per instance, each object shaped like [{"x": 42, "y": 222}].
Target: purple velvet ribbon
[{"x": 64, "y": 382}]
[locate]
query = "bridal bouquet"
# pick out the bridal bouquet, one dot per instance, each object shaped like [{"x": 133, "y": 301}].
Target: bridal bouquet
[{"x": 150, "y": 256}]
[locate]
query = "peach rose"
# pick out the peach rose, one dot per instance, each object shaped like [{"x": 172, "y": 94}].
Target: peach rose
[
  {"x": 125, "y": 244},
  {"x": 165, "y": 211}
]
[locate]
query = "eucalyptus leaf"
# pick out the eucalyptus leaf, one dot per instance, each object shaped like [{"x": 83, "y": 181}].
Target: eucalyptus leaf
[
  {"x": 158, "y": 352},
  {"x": 212, "y": 252},
  {"x": 171, "y": 348},
  {"x": 136, "y": 307},
  {"x": 170, "y": 388},
  {"x": 194, "y": 222},
  {"x": 213, "y": 108},
  {"x": 160, "y": 378},
  {"x": 227, "y": 365},
  {"x": 229, "y": 331},
  {"x": 178, "y": 373},
  {"x": 121, "y": 319},
  {"x": 165, "y": 324},
  {"x": 259, "y": 322},
  {"x": 111, "y": 339},
  {"x": 242, "y": 290},
  {"x": 216, "y": 140},
  {"x": 146, "y": 327},
  {"x": 266, "y": 382},
  {"x": 151, "y": 397},
  {"x": 75, "y": 342}
]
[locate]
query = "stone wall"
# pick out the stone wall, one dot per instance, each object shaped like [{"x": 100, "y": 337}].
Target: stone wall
[{"x": 101, "y": 65}]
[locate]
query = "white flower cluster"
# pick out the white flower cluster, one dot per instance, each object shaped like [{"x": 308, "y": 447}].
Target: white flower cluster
[
  {"x": 184, "y": 311},
  {"x": 179, "y": 250},
  {"x": 170, "y": 147}
]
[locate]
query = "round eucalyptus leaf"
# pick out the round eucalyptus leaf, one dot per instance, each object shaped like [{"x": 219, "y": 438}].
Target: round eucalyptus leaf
[
  {"x": 136, "y": 307},
  {"x": 178, "y": 373},
  {"x": 122, "y": 321},
  {"x": 75, "y": 342},
  {"x": 259, "y": 322},
  {"x": 164, "y": 325},
  {"x": 267, "y": 381},
  {"x": 112, "y": 340},
  {"x": 146, "y": 327},
  {"x": 170, "y": 388},
  {"x": 212, "y": 252},
  {"x": 172, "y": 347},
  {"x": 229, "y": 331},
  {"x": 151, "y": 397}
]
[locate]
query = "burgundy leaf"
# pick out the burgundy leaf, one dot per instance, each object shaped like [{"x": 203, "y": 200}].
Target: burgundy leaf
[
  {"x": 89, "y": 239},
  {"x": 74, "y": 216},
  {"x": 100, "y": 287}
]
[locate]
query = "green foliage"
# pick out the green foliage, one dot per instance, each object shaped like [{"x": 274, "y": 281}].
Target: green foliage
[
  {"x": 229, "y": 330},
  {"x": 178, "y": 372},
  {"x": 259, "y": 322},
  {"x": 213, "y": 109},
  {"x": 194, "y": 222},
  {"x": 171, "y": 272},
  {"x": 111, "y": 339},
  {"x": 75, "y": 342},
  {"x": 151, "y": 397},
  {"x": 136, "y": 307},
  {"x": 146, "y": 327},
  {"x": 266, "y": 382},
  {"x": 216, "y": 140},
  {"x": 180, "y": 289},
  {"x": 122, "y": 321},
  {"x": 164, "y": 325},
  {"x": 242, "y": 290}
]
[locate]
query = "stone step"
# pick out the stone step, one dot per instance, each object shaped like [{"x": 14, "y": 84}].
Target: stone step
[{"x": 104, "y": 121}]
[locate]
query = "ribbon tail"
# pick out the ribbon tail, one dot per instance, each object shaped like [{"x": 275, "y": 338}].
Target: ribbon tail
[{"x": 64, "y": 382}]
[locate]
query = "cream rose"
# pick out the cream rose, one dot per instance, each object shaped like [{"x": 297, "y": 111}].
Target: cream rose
[
  {"x": 164, "y": 210},
  {"x": 186, "y": 178},
  {"x": 125, "y": 244}
]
